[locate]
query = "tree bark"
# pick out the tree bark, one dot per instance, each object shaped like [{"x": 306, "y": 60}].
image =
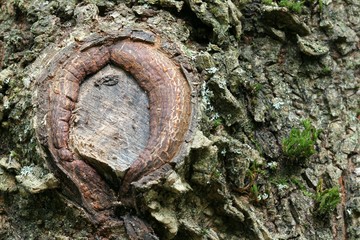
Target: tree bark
[{"x": 167, "y": 119}]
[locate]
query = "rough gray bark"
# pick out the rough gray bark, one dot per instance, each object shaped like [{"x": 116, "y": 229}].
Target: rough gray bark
[{"x": 262, "y": 70}]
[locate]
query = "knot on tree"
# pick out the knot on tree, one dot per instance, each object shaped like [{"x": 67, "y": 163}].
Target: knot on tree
[{"x": 116, "y": 108}]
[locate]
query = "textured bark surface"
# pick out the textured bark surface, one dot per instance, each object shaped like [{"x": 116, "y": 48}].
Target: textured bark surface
[
  {"x": 99, "y": 186},
  {"x": 72, "y": 142}
]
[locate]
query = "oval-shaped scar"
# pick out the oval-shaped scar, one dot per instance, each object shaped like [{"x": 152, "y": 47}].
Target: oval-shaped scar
[{"x": 159, "y": 76}]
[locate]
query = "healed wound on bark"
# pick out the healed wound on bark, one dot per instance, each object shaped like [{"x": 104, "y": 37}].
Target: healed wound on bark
[{"x": 169, "y": 96}]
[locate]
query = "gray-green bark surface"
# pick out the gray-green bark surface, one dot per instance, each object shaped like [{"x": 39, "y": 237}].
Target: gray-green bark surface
[{"x": 263, "y": 70}]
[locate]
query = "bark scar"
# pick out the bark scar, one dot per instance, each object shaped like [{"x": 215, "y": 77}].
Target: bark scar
[{"x": 171, "y": 110}]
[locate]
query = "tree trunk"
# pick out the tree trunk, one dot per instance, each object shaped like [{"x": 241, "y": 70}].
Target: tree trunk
[{"x": 179, "y": 119}]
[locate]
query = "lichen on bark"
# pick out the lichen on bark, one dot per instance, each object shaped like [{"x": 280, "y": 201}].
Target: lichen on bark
[{"x": 262, "y": 70}]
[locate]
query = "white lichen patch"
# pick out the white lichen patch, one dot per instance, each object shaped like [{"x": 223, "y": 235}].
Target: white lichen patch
[{"x": 34, "y": 180}]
